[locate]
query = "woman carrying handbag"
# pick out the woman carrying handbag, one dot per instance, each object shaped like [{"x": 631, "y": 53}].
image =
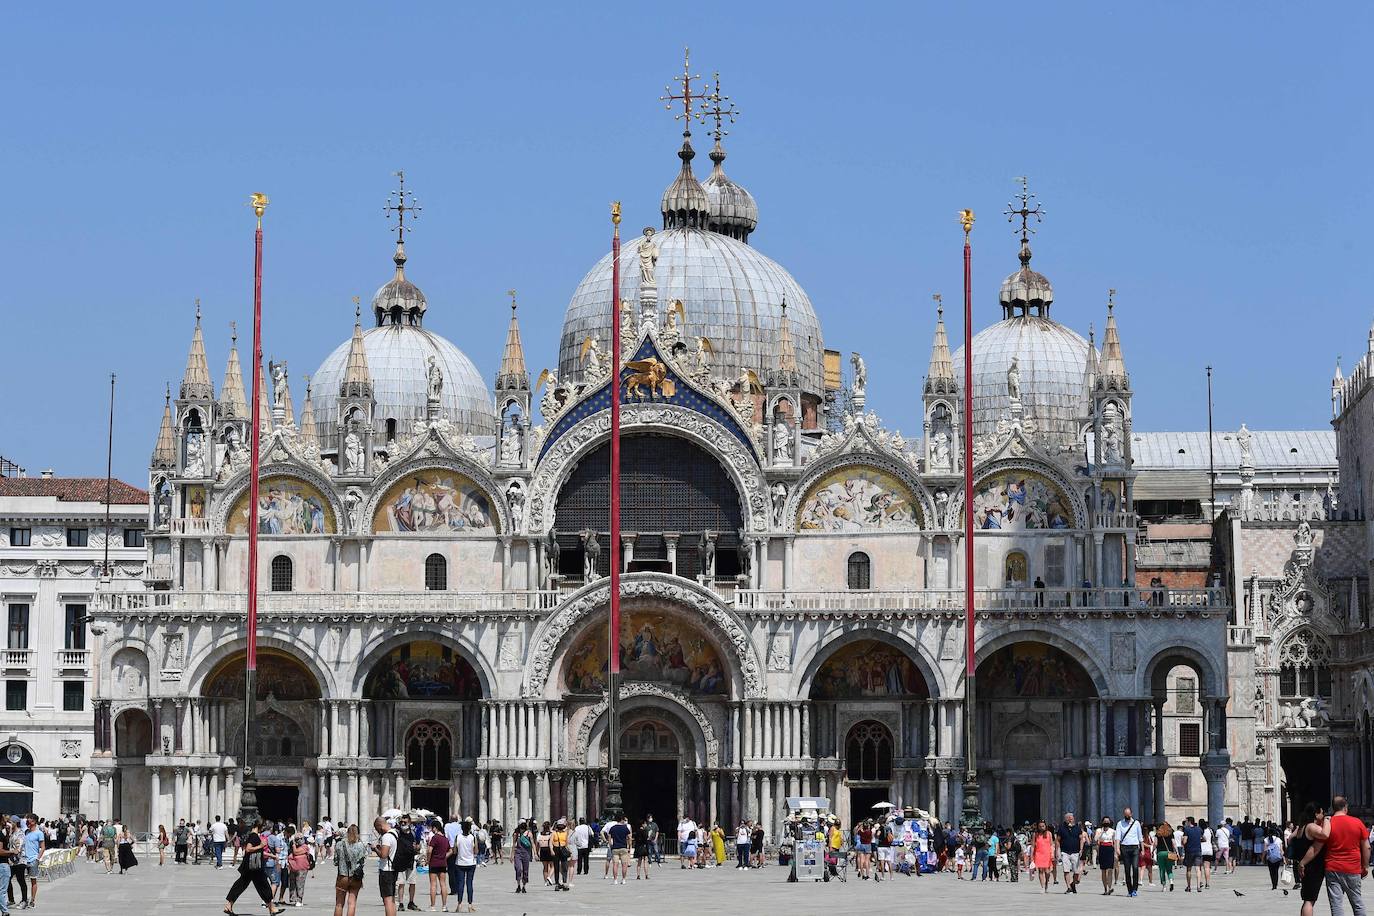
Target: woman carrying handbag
[
  {"x": 251, "y": 871},
  {"x": 349, "y": 856}
]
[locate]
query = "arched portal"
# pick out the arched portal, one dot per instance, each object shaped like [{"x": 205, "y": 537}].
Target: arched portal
[
  {"x": 429, "y": 764},
  {"x": 667, "y": 485},
  {"x": 133, "y": 741},
  {"x": 657, "y": 645},
  {"x": 424, "y": 681},
  {"x": 650, "y": 764},
  {"x": 1035, "y": 705},
  {"x": 16, "y": 765},
  {"x": 868, "y": 752}
]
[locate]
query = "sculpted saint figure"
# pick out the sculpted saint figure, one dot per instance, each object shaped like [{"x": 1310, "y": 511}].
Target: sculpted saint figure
[
  {"x": 278, "y": 384},
  {"x": 648, "y": 257},
  {"x": 353, "y": 454},
  {"x": 1014, "y": 380},
  {"x": 435, "y": 377}
]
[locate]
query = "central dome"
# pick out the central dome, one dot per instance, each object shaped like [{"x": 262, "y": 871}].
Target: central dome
[
  {"x": 1052, "y": 360},
  {"x": 732, "y": 296}
]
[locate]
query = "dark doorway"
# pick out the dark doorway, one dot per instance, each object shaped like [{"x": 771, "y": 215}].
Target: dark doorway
[
  {"x": 16, "y": 764},
  {"x": 431, "y": 798},
  {"x": 280, "y": 803},
  {"x": 650, "y": 788},
  {"x": 1025, "y": 805},
  {"x": 863, "y": 798},
  {"x": 1306, "y": 777}
]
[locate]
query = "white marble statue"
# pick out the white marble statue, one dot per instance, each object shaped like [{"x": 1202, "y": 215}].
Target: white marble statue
[
  {"x": 1244, "y": 440},
  {"x": 592, "y": 359},
  {"x": 648, "y": 258},
  {"x": 195, "y": 455},
  {"x": 779, "y": 494},
  {"x": 1014, "y": 380},
  {"x": 353, "y": 503},
  {"x": 435, "y": 378},
  {"x": 703, "y": 356},
  {"x": 515, "y": 499},
  {"x": 860, "y": 373},
  {"x": 782, "y": 443},
  {"x": 548, "y": 404},
  {"x": 510, "y": 444},
  {"x": 1303, "y": 536},
  {"x": 353, "y": 454},
  {"x": 278, "y": 371}
]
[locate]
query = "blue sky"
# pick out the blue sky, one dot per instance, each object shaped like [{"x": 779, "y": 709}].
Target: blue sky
[{"x": 1208, "y": 160}]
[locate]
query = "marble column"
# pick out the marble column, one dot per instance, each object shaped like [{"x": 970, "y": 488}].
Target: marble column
[{"x": 154, "y": 799}]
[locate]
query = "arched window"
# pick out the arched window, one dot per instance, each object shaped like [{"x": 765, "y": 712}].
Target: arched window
[
  {"x": 860, "y": 570},
  {"x": 436, "y": 573},
  {"x": 1305, "y": 665},
  {"x": 282, "y": 574},
  {"x": 868, "y": 752},
  {"x": 391, "y": 429},
  {"x": 429, "y": 752}
]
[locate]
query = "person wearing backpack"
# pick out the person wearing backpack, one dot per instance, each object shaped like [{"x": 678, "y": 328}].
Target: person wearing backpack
[
  {"x": 349, "y": 856},
  {"x": 404, "y": 863}
]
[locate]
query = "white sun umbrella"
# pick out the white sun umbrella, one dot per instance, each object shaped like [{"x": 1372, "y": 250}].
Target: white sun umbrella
[
  {"x": 392, "y": 812},
  {"x": 421, "y": 813},
  {"x": 884, "y": 805},
  {"x": 9, "y": 785}
]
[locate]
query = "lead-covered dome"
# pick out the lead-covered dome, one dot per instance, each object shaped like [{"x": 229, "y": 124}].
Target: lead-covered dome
[
  {"x": 397, "y": 354},
  {"x": 732, "y": 294},
  {"x": 1052, "y": 360}
]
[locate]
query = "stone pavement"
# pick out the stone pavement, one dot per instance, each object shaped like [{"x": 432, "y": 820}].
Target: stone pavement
[{"x": 179, "y": 890}]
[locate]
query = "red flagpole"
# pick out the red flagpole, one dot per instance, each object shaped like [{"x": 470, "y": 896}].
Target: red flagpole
[
  {"x": 249, "y": 796},
  {"x": 613, "y": 787},
  {"x": 970, "y": 816}
]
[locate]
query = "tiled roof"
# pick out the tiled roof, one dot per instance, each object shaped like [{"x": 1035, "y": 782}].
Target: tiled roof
[
  {"x": 1301, "y": 448},
  {"x": 74, "y": 489}
]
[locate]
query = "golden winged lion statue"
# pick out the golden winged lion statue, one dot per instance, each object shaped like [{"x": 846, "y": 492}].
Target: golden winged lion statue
[{"x": 650, "y": 374}]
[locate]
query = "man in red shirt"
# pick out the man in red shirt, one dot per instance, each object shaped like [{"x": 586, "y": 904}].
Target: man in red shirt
[{"x": 1347, "y": 858}]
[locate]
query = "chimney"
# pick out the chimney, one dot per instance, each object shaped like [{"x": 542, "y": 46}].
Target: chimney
[{"x": 47, "y": 474}]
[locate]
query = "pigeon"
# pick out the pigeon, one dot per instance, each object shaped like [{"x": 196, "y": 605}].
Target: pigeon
[{"x": 1236, "y": 892}]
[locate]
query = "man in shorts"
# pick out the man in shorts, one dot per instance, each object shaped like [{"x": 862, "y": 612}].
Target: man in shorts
[
  {"x": 1068, "y": 844},
  {"x": 1192, "y": 854},
  {"x": 618, "y": 834},
  {"x": 403, "y": 861},
  {"x": 385, "y": 849}
]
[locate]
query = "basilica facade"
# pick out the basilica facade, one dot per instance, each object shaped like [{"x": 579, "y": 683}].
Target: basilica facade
[{"x": 434, "y": 560}]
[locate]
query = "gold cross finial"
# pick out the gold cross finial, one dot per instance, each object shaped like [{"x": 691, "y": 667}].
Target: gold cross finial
[
  {"x": 401, "y": 202},
  {"x": 939, "y": 305},
  {"x": 511, "y": 293},
  {"x": 687, "y": 96},
  {"x": 719, "y": 107},
  {"x": 1025, "y": 211}
]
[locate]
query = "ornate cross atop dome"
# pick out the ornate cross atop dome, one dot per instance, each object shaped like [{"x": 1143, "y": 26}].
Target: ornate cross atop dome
[
  {"x": 684, "y": 203},
  {"x": 1026, "y": 292},
  {"x": 400, "y": 301}
]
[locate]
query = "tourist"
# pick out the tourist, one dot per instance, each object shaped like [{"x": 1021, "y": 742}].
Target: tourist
[
  {"x": 162, "y": 843},
  {"x": 1130, "y": 837},
  {"x": 465, "y": 859},
  {"x": 643, "y": 852},
  {"x": 7, "y": 855},
  {"x": 385, "y": 850},
  {"x": 1069, "y": 847},
  {"x": 1192, "y": 854},
  {"x": 497, "y": 836},
  {"x": 298, "y": 864},
  {"x": 742, "y": 845},
  {"x": 403, "y": 863},
  {"x": 545, "y": 850},
  {"x": 1273, "y": 856},
  {"x": 686, "y": 836},
  {"x": 1105, "y": 841},
  {"x": 717, "y": 844},
  {"x": 1042, "y": 854},
  {"x": 1307, "y": 849},
  {"x": 960, "y": 857},
  {"x": 251, "y": 871},
  {"x": 235, "y": 838},
  {"x": 349, "y": 858},
  {"x": 756, "y": 841},
  {"x": 863, "y": 848},
  {"x": 994, "y": 846},
  {"x": 1166, "y": 854},
  {"x": 436, "y": 861},
  {"x": 1224, "y": 861},
  {"x": 274, "y": 861},
  {"x": 127, "y": 859},
  {"x": 181, "y": 837},
  {"x": 582, "y": 845},
  {"x": 619, "y": 834},
  {"x": 655, "y": 844},
  {"x": 521, "y": 852},
  {"x": 219, "y": 838},
  {"x": 109, "y": 839},
  {"x": 558, "y": 844},
  {"x": 1345, "y": 842},
  {"x": 1208, "y": 845}
]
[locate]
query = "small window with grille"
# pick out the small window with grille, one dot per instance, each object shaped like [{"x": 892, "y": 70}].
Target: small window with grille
[
  {"x": 436, "y": 573},
  {"x": 282, "y": 574},
  {"x": 70, "y": 796},
  {"x": 1189, "y": 739}
]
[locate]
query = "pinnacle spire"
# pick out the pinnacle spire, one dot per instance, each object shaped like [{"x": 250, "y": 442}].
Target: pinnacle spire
[
  {"x": 940, "y": 375},
  {"x": 233, "y": 403},
  {"x": 1113, "y": 368},
  {"x": 165, "y": 452},
  {"x": 512, "y": 376},
  {"x": 357, "y": 381},
  {"x": 308, "y": 438},
  {"x": 264, "y": 404},
  {"x": 195, "y": 383}
]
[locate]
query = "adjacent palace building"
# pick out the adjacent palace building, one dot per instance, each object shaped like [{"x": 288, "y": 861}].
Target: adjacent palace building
[{"x": 434, "y": 558}]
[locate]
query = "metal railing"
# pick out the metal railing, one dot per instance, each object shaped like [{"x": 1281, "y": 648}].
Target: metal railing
[{"x": 985, "y": 599}]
